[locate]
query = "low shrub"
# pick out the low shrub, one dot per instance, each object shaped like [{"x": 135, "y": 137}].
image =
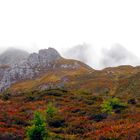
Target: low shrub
[
  {"x": 112, "y": 105},
  {"x": 10, "y": 136},
  {"x": 56, "y": 121},
  {"x": 98, "y": 117},
  {"x": 5, "y": 95}
]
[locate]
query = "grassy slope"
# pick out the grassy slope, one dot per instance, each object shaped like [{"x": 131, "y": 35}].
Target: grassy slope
[{"x": 78, "y": 102}]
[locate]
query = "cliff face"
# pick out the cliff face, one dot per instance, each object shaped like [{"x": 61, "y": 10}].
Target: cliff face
[{"x": 31, "y": 66}]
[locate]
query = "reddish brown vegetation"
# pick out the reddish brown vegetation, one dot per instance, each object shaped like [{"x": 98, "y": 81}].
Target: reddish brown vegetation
[{"x": 77, "y": 102}]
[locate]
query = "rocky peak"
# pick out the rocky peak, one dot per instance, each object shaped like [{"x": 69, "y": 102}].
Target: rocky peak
[
  {"x": 49, "y": 54},
  {"x": 32, "y": 66},
  {"x": 23, "y": 66},
  {"x": 43, "y": 57}
]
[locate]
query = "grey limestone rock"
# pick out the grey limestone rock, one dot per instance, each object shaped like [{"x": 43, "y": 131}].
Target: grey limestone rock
[{"x": 16, "y": 65}]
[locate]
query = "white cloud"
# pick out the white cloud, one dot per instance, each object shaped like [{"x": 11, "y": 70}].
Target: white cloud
[
  {"x": 118, "y": 55},
  {"x": 99, "y": 59},
  {"x": 34, "y": 24}
]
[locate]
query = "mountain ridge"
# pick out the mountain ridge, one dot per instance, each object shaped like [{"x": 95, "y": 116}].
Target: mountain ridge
[{"x": 34, "y": 65}]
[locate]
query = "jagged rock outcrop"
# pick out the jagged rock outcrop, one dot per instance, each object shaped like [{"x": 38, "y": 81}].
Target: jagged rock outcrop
[
  {"x": 30, "y": 67},
  {"x": 43, "y": 58}
]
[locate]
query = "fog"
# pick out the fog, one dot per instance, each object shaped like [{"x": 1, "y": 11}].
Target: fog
[
  {"x": 106, "y": 57},
  {"x": 64, "y": 25},
  {"x": 84, "y": 52},
  {"x": 111, "y": 56}
]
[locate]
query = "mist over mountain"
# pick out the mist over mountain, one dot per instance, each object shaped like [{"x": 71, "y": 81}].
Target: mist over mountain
[
  {"x": 85, "y": 53},
  {"x": 79, "y": 52},
  {"x": 118, "y": 55},
  {"x": 12, "y": 56},
  {"x": 99, "y": 59}
]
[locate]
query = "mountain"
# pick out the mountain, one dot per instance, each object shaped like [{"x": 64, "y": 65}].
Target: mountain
[
  {"x": 14, "y": 69},
  {"x": 90, "y": 104}
]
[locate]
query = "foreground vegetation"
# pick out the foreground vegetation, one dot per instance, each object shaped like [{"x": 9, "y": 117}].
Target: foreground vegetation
[
  {"x": 90, "y": 106},
  {"x": 68, "y": 116}
]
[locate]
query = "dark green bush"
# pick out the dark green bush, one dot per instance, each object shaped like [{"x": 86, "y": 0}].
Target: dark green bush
[
  {"x": 54, "y": 92},
  {"x": 99, "y": 117},
  {"x": 37, "y": 94},
  {"x": 53, "y": 118},
  {"x": 56, "y": 121},
  {"x": 5, "y": 95},
  {"x": 10, "y": 136}
]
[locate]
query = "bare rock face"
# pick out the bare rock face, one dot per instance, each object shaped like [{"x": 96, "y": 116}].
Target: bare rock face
[
  {"x": 33, "y": 60},
  {"x": 43, "y": 58},
  {"x": 48, "y": 55},
  {"x": 15, "y": 69}
]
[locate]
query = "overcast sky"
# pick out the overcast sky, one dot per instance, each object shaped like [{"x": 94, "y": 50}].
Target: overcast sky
[{"x": 35, "y": 24}]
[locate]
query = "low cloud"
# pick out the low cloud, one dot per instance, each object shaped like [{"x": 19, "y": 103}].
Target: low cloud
[
  {"x": 117, "y": 55},
  {"x": 85, "y": 53},
  {"x": 79, "y": 52},
  {"x": 99, "y": 58}
]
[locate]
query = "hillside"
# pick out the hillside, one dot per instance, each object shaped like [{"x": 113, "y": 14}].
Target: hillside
[{"x": 80, "y": 95}]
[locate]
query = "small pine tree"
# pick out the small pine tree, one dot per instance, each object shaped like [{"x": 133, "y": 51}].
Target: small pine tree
[
  {"x": 51, "y": 110},
  {"x": 37, "y": 131}
]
